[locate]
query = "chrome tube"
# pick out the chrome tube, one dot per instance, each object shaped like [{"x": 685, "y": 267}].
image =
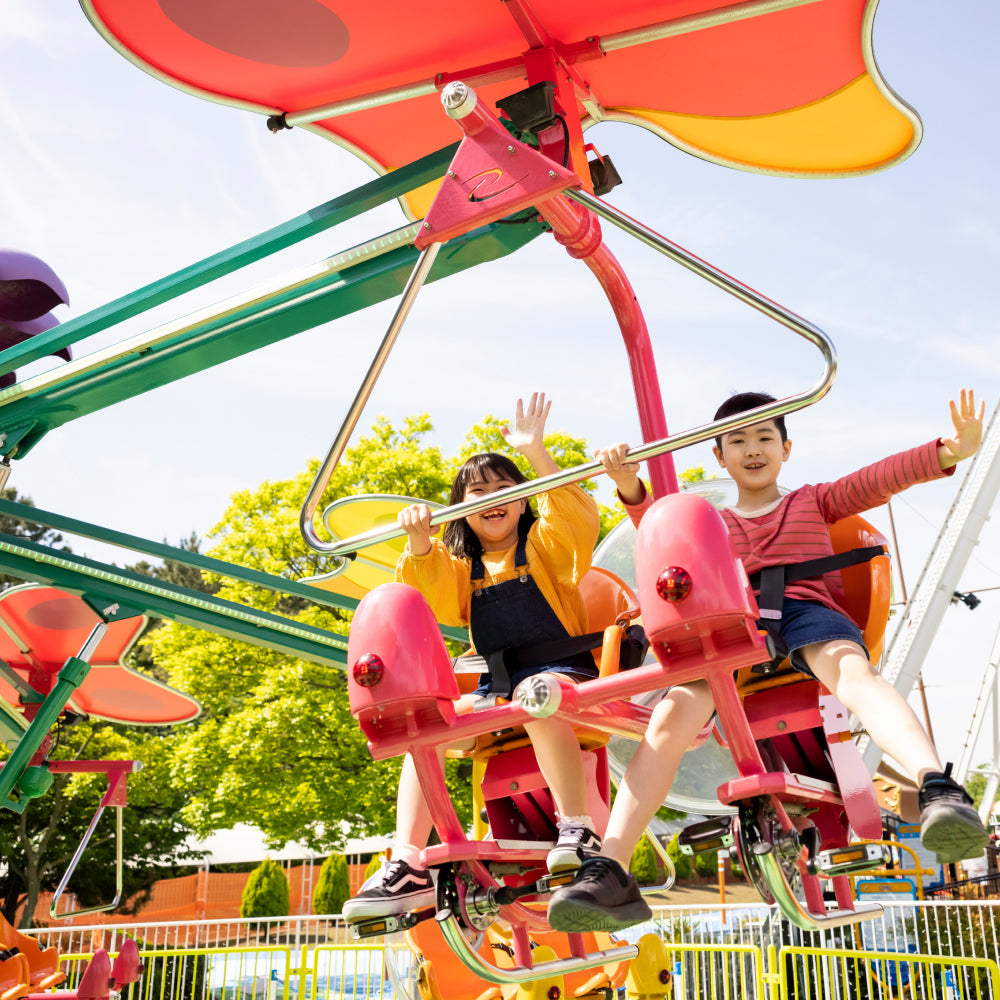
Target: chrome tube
[
  {"x": 57, "y": 895},
  {"x": 473, "y": 961},
  {"x": 308, "y": 513},
  {"x": 793, "y": 909},
  {"x": 651, "y": 449}
]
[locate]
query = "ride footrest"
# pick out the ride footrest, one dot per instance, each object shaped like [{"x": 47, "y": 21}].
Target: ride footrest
[
  {"x": 850, "y": 859},
  {"x": 377, "y": 926},
  {"x": 713, "y": 834}
]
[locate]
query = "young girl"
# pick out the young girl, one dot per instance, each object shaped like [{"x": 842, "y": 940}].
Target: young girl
[{"x": 513, "y": 580}]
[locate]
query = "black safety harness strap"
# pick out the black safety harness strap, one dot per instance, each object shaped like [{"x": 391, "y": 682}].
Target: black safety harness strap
[{"x": 770, "y": 582}]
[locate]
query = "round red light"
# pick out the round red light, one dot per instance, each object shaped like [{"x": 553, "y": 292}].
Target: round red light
[
  {"x": 673, "y": 584},
  {"x": 664, "y": 976},
  {"x": 554, "y": 993},
  {"x": 368, "y": 670}
]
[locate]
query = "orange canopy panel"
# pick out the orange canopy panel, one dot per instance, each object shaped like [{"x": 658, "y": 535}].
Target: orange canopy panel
[
  {"x": 780, "y": 86},
  {"x": 41, "y": 627}
]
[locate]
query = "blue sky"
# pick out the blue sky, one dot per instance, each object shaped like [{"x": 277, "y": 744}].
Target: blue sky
[{"x": 116, "y": 179}]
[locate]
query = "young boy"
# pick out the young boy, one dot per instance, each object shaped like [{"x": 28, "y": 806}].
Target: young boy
[{"x": 768, "y": 528}]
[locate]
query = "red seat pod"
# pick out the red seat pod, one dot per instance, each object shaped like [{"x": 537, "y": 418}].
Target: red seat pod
[
  {"x": 691, "y": 584},
  {"x": 397, "y": 662}
]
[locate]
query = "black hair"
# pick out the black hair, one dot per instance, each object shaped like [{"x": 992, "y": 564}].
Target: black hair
[
  {"x": 458, "y": 537},
  {"x": 744, "y": 401}
]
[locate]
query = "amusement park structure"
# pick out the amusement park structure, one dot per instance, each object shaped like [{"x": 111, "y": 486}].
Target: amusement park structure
[{"x": 704, "y": 76}]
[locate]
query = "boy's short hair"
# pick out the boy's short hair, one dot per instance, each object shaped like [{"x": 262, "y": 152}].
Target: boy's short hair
[{"x": 744, "y": 401}]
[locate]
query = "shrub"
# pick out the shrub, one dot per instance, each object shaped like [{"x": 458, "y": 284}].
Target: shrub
[
  {"x": 333, "y": 887},
  {"x": 643, "y": 865},
  {"x": 266, "y": 892},
  {"x": 682, "y": 862}
]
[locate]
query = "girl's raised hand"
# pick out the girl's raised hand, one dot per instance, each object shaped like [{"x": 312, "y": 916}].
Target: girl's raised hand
[
  {"x": 529, "y": 424},
  {"x": 968, "y": 430},
  {"x": 415, "y": 520}
]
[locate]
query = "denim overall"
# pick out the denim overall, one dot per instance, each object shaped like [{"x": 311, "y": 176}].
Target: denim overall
[{"x": 515, "y": 614}]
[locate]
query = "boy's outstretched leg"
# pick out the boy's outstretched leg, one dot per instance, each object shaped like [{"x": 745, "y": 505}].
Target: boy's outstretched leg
[
  {"x": 604, "y": 896},
  {"x": 949, "y": 825}
]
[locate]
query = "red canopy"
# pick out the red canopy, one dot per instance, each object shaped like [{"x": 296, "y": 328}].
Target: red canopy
[{"x": 782, "y": 86}]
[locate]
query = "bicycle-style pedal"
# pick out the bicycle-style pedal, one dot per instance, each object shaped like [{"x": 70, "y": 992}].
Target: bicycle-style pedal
[
  {"x": 377, "y": 926},
  {"x": 850, "y": 859},
  {"x": 549, "y": 883},
  {"x": 713, "y": 835}
]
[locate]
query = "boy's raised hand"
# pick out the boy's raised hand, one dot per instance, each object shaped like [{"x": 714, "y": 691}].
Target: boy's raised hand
[{"x": 968, "y": 430}]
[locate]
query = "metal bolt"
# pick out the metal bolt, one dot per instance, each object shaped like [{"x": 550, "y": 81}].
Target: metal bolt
[
  {"x": 510, "y": 149},
  {"x": 513, "y": 786},
  {"x": 781, "y": 725},
  {"x": 451, "y": 173},
  {"x": 427, "y": 225},
  {"x": 552, "y": 174}
]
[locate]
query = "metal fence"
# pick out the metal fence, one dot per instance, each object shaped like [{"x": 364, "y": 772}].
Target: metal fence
[{"x": 923, "y": 951}]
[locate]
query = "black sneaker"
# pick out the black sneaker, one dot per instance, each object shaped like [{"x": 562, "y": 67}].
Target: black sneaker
[
  {"x": 949, "y": 825},
  {"x": 574, "y": 846},
  {"x": 602, "y": 897},
  {"x": 394, "y": 888}
]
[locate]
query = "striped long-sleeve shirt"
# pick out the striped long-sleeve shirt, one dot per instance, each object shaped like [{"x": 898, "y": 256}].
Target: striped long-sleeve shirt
[{"x": 795, "y": 527}]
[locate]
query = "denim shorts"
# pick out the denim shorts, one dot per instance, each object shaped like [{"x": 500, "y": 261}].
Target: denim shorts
[{"x": 806, "y": 622}]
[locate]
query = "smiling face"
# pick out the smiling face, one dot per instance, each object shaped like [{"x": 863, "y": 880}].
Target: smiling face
[
  {"x": 753, "y": 456},
  {"x": 495, "y": 528}
]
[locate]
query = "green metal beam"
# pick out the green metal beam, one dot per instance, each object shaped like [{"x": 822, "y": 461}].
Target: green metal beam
[
  {"x": 194, "y": 560},
  {"x": 107, "y": 586},
  {"x": 27, "y": 414},
  {"x": 317, "y": 220}
]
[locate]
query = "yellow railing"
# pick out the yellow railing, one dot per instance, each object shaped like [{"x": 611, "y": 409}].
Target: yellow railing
[
  {"x": 885, "y": 973},
  {"x": 706, "y": 971}
]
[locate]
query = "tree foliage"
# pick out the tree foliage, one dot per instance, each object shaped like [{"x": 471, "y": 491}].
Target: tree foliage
[
  {"x": 266, "y": 892},
  {"x": 277, "y": 746},
  {"x": 38, "y": 844},
  {"x": 333, "y": 887}
]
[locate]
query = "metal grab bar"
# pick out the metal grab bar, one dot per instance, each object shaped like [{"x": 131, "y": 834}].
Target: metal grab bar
[
  {"x": 349, "y": 546},
  {"x": 322, "y": 478},
  {"x": 451, "y": 931},
  {"x": 117, "y": 797},
  {"x": 805, "y": 329}
]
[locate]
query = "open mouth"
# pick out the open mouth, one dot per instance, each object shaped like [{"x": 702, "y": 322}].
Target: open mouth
[{"x": 494, "y": 515}]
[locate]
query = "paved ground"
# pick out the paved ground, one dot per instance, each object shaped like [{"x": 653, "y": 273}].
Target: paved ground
[{"x": 698, "y": 893}]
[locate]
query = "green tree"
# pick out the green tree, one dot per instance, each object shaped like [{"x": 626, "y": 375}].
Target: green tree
[
  {"x": 643, "y": 864},
  {"x": 277, "y": 746},
  {"x": 266, "y": 892},
  {"x": 333, "y": 886},
  {"x": 38, "y": 844}
]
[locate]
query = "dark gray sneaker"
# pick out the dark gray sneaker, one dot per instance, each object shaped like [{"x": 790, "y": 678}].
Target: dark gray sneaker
[
  {"x": 602, "y": 897},
  {"x": 949, "y": 825}
]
